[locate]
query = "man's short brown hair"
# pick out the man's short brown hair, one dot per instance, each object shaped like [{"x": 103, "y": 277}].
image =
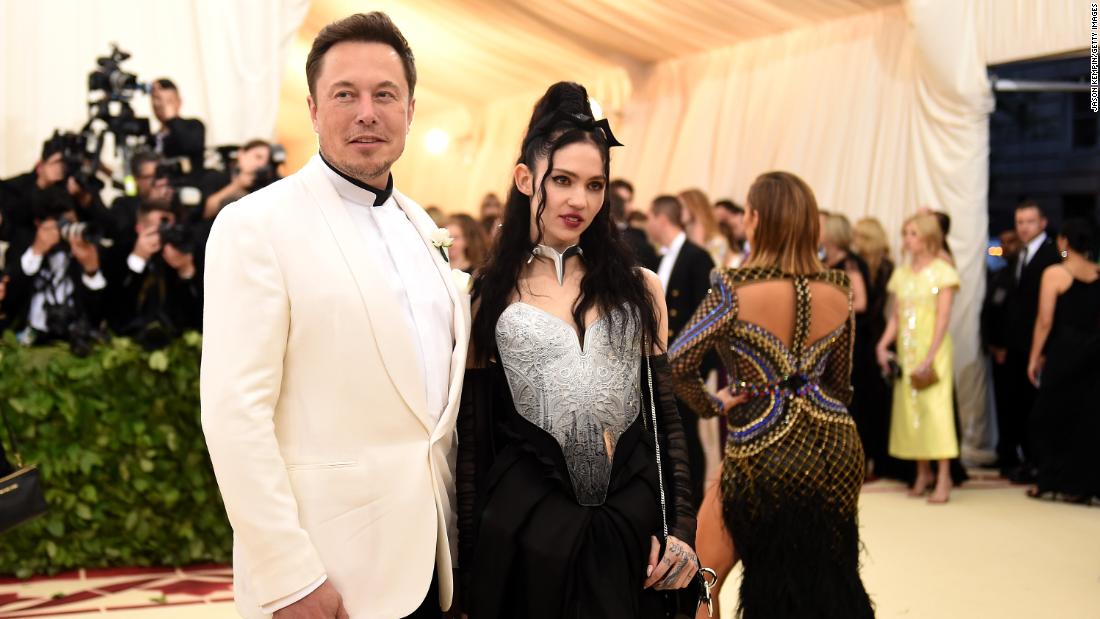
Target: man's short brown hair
[
  {"x": 670, "y": 207},
  {"x": 374, "y": 27}
]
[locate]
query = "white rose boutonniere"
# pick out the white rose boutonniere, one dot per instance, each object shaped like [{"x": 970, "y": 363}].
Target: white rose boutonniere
[
  {"x": 441, "y": 240},
  {"x": 462, "y": 281}
]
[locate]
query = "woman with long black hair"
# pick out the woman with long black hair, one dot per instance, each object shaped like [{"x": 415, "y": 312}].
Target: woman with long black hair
[{"x": 559, "y": 488}]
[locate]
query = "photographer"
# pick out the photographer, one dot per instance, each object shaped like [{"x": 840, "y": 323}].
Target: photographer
[
  {"x": 153, "y": 190},
  {"x": 62, "y": 158},
  {"x": 23, "y": 190},
  {"x": 158, "y": 291},
  {"x": 57, "y": 289},
  {"x": 253, "y": 170},
  {"x": 178, "y": 137}
]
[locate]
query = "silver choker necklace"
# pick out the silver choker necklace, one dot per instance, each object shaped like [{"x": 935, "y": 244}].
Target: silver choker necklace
[{"x": 559, "y": 258}]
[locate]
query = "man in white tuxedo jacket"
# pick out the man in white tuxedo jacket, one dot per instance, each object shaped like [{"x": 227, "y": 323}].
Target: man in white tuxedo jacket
[{"x": 335, "y": 338}]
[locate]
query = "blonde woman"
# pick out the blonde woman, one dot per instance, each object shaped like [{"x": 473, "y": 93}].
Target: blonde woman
[
  {"x": 701, "y": 225},
  {"x": 922, "y": 426}
]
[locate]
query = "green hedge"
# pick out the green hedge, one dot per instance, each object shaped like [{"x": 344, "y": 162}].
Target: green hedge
[{"x": 117, "y": 438}]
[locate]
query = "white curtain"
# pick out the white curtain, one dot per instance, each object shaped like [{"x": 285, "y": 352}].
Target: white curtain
[
  {"x": 882, "y": 113},
  {"x": 225, "y": 57}
]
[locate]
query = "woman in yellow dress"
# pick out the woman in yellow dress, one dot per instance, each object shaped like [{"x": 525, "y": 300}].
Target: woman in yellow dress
[{"x": 922, "y": 427}]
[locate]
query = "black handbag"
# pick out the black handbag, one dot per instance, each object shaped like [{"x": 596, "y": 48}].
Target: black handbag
[
  {"x": 683, "y": 602},
  {"x": 21, "y": 496}
]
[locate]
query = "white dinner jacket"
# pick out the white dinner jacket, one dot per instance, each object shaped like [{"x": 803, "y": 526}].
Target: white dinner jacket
[{"x": 314, "y": 406}]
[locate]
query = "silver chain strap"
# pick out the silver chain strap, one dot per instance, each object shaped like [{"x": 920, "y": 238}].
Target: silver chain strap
[
  {"x": 657, "y": 447},
  {"x": 709, "y": 576}
]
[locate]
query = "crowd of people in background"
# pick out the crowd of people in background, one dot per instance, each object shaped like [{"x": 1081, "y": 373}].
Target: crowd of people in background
[
  {"x": 1044, "y": 298},
  {"x": 77, "y": 269}
]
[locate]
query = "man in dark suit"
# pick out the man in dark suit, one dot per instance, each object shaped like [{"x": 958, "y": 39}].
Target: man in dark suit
[
  {"x": 178, "y": 137},
  {"x": 684, "y": 270},
  {"x": 1015, "y": 394},
  {"x": 644, "y": 254}
]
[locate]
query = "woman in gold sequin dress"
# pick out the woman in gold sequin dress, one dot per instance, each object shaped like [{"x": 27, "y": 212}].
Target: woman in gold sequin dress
[
  {"x": 922, "y": 425},
  {"x": 793, "y": 468}
]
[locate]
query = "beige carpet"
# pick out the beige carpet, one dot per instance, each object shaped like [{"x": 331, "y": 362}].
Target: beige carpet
[{"x": 990, "y": 553}]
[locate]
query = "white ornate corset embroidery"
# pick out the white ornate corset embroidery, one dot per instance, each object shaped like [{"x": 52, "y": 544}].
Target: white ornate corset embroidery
[{"x": 583, "y": 397}]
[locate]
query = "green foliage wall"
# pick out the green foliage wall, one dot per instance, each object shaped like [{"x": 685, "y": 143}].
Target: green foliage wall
[{"x": 117, "y": 438}]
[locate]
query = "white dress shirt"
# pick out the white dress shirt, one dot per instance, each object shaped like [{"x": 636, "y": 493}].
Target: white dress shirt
[
  {"x": 668, "y": 258},
  {"x": 411, "y": 274},
  {"x": 62, "y": 286}
]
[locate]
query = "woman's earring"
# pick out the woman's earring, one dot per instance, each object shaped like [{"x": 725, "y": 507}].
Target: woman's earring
[{"x": 1065, "y": 254}]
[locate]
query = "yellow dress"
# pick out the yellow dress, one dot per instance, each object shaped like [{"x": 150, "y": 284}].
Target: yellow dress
[{"x": 922, "y": 425}]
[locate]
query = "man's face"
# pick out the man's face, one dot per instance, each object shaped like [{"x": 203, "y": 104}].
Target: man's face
[
  {"x": 52, "y": 169},
  {"x": 627, "y": 197},
  {"x": 152, "y": 190},
  {"x": 146, "y": 176},
  {"x": 1029, "y": 224},
  {"x": 166, "y": 103},
  {"x": 362, "y": 109},
  {"x": 655, "y": 225},
  {"x": 254, "y": 158}
]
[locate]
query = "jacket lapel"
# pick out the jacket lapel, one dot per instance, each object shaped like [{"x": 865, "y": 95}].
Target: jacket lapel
[
  {"x": 390, "y": 328},
  {"x": 460, "y": 301}
]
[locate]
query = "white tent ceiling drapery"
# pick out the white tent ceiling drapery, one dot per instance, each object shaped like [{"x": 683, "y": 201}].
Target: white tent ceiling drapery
[{"x": 225, "y": 57}]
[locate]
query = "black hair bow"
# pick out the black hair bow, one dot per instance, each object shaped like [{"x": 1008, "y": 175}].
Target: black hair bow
[{"x": 578, "y": 120}]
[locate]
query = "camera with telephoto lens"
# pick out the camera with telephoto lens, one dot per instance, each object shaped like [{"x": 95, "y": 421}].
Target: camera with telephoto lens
[
  {"x": 86, "y": 231},
  {"x": 174, "y": 169},
  {"x": 270, "y": 172},
  {"x": 179, "y": 236},
  {"x": 262, "y": 177},
  {"x": 79, "y": 161}
]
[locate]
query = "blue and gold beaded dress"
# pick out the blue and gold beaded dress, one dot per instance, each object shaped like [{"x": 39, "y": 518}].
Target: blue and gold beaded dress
[{"x": 793, "y": 464}]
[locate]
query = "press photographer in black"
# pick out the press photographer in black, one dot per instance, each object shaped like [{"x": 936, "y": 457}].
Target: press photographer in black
[
  {"x": 253, "y": 169},
  {"x": 157, "y": 282},
  {"x": 178, "y": 137},
  {"x": 62, "y": 164},
  {"x": 57, "y": 290},
  {"x": 153, "y": 189}
]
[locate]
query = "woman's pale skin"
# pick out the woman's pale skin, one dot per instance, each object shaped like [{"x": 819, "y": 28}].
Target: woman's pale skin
[
  {"x": 575, "y": 190},
  {"x": 921, "y": 259}
]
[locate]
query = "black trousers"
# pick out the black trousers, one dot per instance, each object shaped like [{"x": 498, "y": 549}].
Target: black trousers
[
  {"x": 1015, "y": 399},
  {"x": 429, "y": 608}
]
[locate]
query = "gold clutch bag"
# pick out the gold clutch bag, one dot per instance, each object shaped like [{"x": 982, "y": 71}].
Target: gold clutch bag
[{"x": 924, "y": 381}]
